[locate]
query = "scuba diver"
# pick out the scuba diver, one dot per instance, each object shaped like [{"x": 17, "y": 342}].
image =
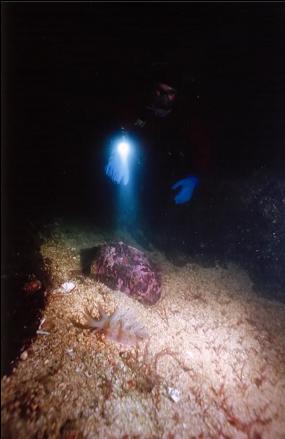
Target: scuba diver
[{"x": 173, "y": 153}]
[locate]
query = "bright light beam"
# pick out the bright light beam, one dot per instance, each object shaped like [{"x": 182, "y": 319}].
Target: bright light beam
[{"x": 124, "y": 150}]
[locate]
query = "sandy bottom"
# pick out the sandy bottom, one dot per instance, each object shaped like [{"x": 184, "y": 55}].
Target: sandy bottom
[{"x": 212, "y": 366}]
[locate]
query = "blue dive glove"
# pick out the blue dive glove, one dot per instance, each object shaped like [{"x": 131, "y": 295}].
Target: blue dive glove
[
  {"x": 186, "y": 186},
  {"x": 117, "y": 169}
]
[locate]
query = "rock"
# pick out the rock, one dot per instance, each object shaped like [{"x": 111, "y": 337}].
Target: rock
[
  {"x": 173, "y": 394},
  {"x": 129, "y": 270},
  {"x": 32, "y": 286}
]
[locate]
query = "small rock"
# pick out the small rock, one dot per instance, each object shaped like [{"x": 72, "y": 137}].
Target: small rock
[
  {"x": 24, "y": 355},
  {"x": 67, "y": 287},
  {"x": 32, "y": 286},
  {"x": 41, "y": 332},
  {"x": 70, "y": 352},
  {"x": 174, "y": 394}
]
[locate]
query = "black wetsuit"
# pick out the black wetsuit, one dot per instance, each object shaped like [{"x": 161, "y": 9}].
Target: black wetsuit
[{"x": 168, "y": 149}]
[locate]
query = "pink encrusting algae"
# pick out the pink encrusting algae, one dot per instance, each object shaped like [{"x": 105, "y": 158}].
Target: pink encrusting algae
[{"x": 129, "y": 270}]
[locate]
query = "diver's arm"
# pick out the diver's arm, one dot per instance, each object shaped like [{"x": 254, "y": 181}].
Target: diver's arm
[
  {"x": 158, "y": 105},
  {"x": 118, "y": 167},
  {"x": 195, "y": 163}
]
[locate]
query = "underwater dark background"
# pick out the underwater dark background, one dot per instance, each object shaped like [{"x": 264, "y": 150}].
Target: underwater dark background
[{"x": 68, "y": 69}]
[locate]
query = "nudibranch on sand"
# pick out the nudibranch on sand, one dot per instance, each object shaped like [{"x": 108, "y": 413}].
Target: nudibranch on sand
[{"x": 120, "y": 327}]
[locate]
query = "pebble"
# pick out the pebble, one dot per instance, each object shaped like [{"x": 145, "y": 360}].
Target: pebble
[
  {"x": 174, "y": 394},
  {"x": 41, "y": 332},
  {"x": 67, "y": 287},
  {"x": 24, "y": 355}
]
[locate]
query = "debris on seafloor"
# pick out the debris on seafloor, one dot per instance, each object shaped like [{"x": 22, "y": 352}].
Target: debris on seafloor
[
  {"x": 120, "y": 327},
  {"x": 24, "y": 355},
  {"x": 33, "y": 286},
  {"x": 41, "y": 332},
  {"x": 173, "y": 394},
  {"x": 65, "y": 288},
  {"x": 129, "y": 270}
]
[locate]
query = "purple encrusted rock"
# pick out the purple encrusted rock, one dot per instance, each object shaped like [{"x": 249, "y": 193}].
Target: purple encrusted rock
[{"x": 129, "y": 270}]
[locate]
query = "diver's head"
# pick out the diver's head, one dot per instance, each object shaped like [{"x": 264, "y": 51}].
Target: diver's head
[
  {"x": 162, "y": 93},
  {"x": 169, "y": 85},
  {"x": 163, "y": 97}
]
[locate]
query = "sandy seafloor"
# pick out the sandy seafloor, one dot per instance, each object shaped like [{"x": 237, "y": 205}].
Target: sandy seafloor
[{"x": 212, "y": 366}]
